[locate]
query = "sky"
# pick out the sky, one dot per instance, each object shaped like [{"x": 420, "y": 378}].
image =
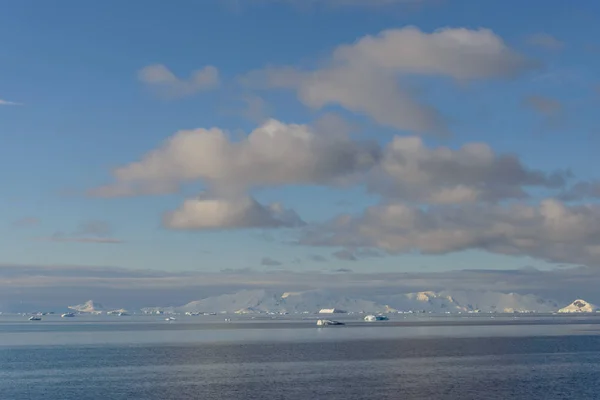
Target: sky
[{"x": 367, "y": 136}]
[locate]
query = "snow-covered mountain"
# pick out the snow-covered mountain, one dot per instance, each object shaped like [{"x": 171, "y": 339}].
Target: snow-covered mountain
[
  {"x": 311, "y": 301},
  {"x": 488, "y": 301},
  {"x": 579, "y": 306},
  {"x": 88, "y": 307},
  {"x": 423, "y": 301},
  {"x": 261, "y": 301},
  {"x": 468, "y": 301}
]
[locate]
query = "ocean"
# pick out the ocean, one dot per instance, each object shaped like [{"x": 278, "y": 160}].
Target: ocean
[{"x": 207, "y": 358}]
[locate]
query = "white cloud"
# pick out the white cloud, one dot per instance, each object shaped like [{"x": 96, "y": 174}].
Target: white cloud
[
  {"x": 273, "y": 154},
  {"x": 161, "y": 79},
  {"x": 550, "y": 230},
  {"x": 582, "y": 190},
  {"x": 364, "y": 76},
  {"x": 255, "y": 108},
  {"x": 545, "y": 41},
  {"x": 278, "y": 154},
  {"x": 459, "y": 53},
  {"x": 411, "y": 171},
  {"x": 229, "y": 213},
  {"x": 9, "y": 103}
]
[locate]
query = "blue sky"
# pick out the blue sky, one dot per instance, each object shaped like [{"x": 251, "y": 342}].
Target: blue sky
[{"x": 83, "y": 110}]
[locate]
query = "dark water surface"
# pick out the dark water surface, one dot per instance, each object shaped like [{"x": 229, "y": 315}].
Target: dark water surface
[{"x": 346, "y": 363}]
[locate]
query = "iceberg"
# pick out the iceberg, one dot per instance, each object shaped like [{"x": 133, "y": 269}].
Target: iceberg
[
  {"x": 326, "y": 322},
  {"x": 373, "y": 318}
]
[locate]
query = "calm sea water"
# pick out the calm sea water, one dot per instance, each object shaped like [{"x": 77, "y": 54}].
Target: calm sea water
[{"x": 148, "y": 359}]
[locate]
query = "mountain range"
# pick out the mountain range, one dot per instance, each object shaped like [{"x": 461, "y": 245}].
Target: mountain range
[{"x": 262, "y": 301}]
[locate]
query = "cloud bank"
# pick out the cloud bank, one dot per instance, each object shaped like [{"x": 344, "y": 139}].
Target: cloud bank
[
  {"x": 550, "y": 230},
  {"x": 432, "y": 199}
]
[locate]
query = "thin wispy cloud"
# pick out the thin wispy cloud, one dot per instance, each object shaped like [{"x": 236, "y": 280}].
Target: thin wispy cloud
[
  {"x": 328, "y": 4},
  {"x": 94, "y": 231},
  {"x": 545, "y": 41},
  {"x": 270, "y": 262},
  {"x": 80, "y": 239},
  {"x": 9, "y": 103},
  {"x": 551, "y": 110},
  {"x": 317, "y": 258},
  {"x": 26, "y": 222},
  {"x": 160, "y": 79},
  {"x": 544, "y": 105}
]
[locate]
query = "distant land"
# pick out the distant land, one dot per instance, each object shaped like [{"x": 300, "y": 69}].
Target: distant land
[
  {"x": 311, "y": 301},
  {"x": 262, "y": 301}
]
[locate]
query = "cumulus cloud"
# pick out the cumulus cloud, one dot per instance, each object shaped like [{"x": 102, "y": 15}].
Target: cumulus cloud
[
  {"x": 278, "y": 154},
  {"x": 270, "y": 262},
  {"x": 229, "y": 213},
  {"x": 411, "y": 171},
  {"x": 255, "y": 108},
  {"x": 550, "y": 230},
  {"x": 545, "y": 41},
  {"x": 273, "y": 154},
  {"x": 364, "y": 77},
  {"x": 158, "y": 77},
  {"x": 582, "y": 190}
]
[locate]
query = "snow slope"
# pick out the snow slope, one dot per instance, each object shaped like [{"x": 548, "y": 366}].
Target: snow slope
[
  {"x": 88, "y": 307},
  {"x": 488, "y": 301},
  {"x": 311, "y": 301},
  {"x": 468, "y": 301},
  {"x": 261, "y": 301},
  {"x": 579, "y": 306}
]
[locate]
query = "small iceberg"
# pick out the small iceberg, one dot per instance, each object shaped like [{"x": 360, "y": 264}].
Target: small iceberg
[
  {"x": 120, "y": 312},
  {"x": 326, "y": 322},
  {"x": 373, "y": 318},
  {"x": 170, "y": 319}
]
